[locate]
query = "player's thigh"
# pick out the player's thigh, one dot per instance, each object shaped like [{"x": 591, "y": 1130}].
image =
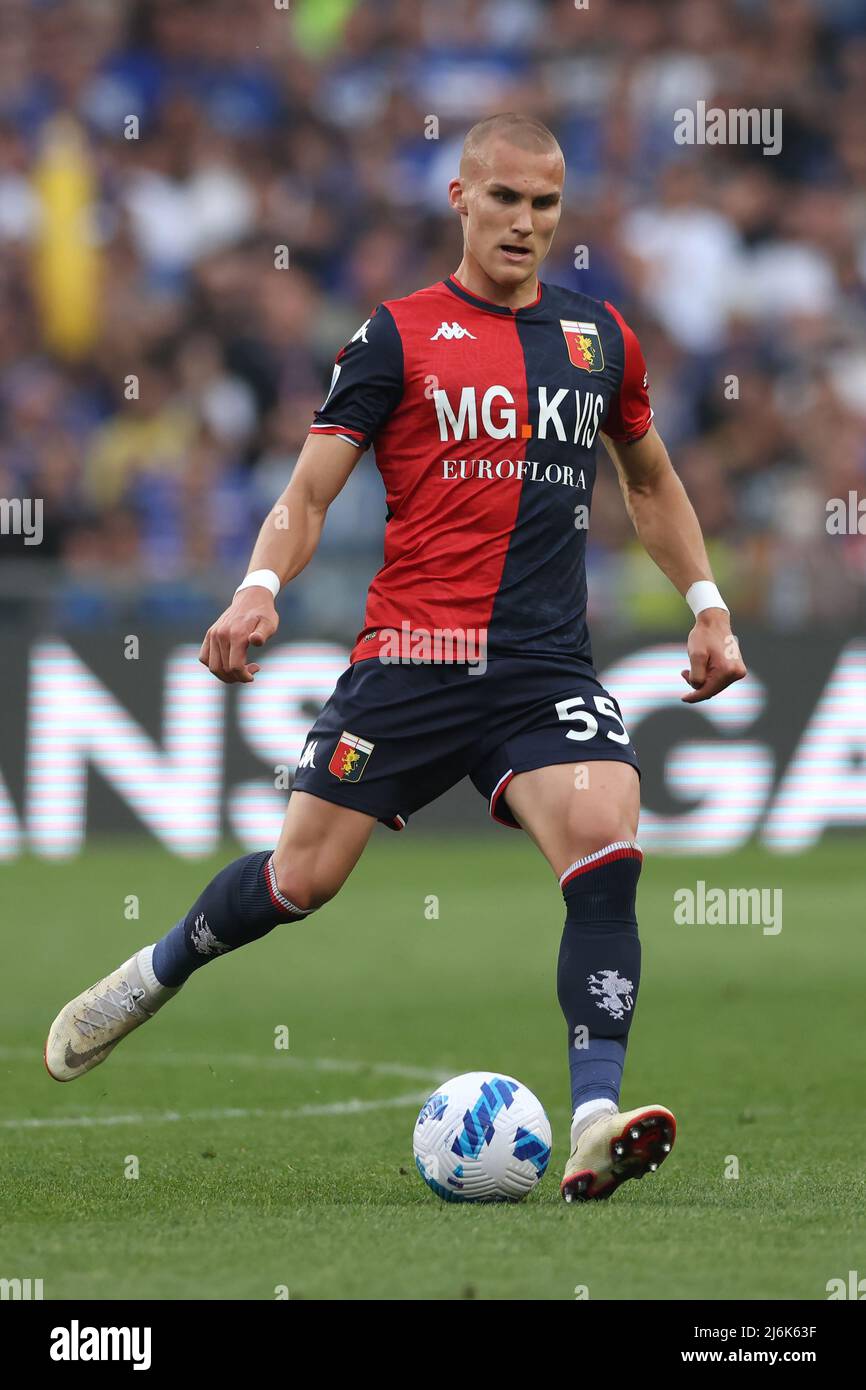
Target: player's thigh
[
  {"x": 319, "y": 846},
  {"x": 573, "y": 809}
]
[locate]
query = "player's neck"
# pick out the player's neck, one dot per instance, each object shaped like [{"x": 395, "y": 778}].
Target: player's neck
[{"x": 470, "y": 275}]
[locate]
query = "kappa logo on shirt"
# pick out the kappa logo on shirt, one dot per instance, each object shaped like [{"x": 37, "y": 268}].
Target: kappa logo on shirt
[{"x": 451, "y": 330}]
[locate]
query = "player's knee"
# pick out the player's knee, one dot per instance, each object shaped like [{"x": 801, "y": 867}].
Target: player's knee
[
  {"x": 303, "y": 893},
  {"x": 607, "y": 830},
  {"x": 304, "y": 887}
]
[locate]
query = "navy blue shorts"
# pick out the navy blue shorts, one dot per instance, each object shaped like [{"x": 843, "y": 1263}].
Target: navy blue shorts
[{"x": 392, "y": 738}]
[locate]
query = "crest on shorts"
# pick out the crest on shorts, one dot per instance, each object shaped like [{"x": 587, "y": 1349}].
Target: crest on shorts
[
  {"x": 350, "y": 757},
  {"x": 584, "y": 345}
]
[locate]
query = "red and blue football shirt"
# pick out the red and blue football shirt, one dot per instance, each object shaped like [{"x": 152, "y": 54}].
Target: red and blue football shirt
[{"x": 484, "y": 422}]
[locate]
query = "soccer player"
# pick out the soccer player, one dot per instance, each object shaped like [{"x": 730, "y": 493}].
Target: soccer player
[{"x": 484, "y": 396}]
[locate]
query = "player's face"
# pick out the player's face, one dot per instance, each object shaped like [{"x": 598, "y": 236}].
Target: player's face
[{"x": 512, "y": 202}]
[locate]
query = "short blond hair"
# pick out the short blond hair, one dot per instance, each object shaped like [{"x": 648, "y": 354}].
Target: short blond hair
[{"x": 524, "y": 131}]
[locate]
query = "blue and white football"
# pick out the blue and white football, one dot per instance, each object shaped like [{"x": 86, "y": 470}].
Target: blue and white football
[{"x": 482, "y": 1137}]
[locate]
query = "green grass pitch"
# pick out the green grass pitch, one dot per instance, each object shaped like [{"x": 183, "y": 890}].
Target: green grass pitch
[{"x": 261, "y": 1168}]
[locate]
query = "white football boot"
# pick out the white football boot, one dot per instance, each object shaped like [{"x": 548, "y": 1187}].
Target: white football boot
[
  {"x": 90, "y": 1026},
  {"x": 608, "y": 1147}
]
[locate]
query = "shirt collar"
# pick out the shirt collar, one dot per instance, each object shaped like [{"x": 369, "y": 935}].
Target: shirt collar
[{"x": 487, "y": 305}]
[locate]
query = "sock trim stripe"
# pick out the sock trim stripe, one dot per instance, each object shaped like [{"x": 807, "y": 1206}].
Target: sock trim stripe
[
  {"x": 620, "y": 849},
  {"x": 276, "y": 896}
]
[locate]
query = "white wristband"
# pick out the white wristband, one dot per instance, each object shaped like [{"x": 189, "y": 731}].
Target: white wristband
[
  {"x": 265, "y": 579},
  {"x": 704, "y": 594}
]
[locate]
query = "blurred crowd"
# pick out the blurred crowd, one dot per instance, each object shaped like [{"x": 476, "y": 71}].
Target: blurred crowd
[{"x": 201, "y": 200}]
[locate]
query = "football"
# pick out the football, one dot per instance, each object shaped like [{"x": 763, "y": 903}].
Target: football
[{"x": 482, "y": 1137}]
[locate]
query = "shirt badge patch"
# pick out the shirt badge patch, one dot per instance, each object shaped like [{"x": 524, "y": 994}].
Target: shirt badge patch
[
  {"x": 584, "y": 345},
  {"x": 350, "y": 757}
]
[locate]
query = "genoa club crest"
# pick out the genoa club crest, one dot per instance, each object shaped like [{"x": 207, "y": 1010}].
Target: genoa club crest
[
  {"x": 350, "y": 757},
  {"x": 584, "y": 345}
]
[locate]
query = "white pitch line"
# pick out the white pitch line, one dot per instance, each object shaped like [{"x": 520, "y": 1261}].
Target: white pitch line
[
  {"x": 301, "y": 1112},
  {"x": 216, "y": 1060}
]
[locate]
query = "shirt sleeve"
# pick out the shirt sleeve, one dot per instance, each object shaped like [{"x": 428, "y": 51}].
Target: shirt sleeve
[
  {"x": 629, "y": 414},
  {"x": 367, "y": 384}
]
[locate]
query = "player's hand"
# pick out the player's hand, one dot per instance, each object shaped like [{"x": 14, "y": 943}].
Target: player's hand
[
  {"x": 249, "y": 621},
  {"x": 714, "y": 654}
]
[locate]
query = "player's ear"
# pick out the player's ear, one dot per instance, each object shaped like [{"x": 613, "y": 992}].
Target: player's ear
[{"x": 456, "y": 196}]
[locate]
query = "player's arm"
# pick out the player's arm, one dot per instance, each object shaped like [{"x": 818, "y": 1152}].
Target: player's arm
[
  {"x": 366, "y": 386},
  {"x": 286, "y": 544},
  {"x": 670, "y": 532}
]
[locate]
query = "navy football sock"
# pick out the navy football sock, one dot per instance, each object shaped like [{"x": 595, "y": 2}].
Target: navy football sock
[
  {"x": 599, "y": 967},
  {"x": 240, "y": 905}
]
